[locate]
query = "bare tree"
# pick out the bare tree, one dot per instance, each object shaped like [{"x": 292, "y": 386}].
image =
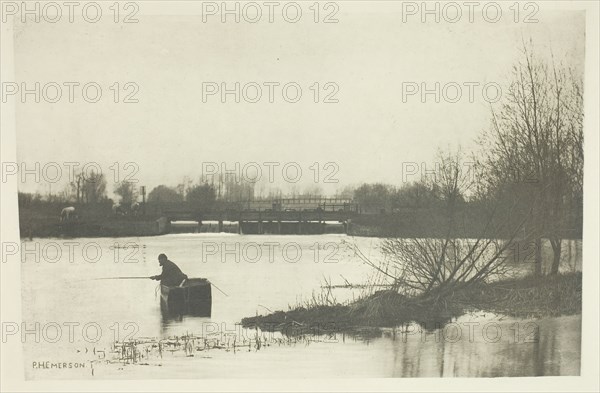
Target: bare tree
[
  {"x": 536, "y": 143},
  {"x": 93, "y": 188},
  {"x": 77, "y": 186},
  {"x": 433, "y": 266},
  {"x": 127, "y": 191}
]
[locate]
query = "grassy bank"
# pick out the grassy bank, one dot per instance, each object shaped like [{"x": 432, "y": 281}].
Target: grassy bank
[
  {"x": 523, "y": 297},
  {"x": 432, "y": 222},
  {"x": 42, "y": 220}
]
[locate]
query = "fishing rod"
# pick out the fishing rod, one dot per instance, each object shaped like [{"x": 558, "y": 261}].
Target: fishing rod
[
  {"x": 120, "y": 278},
  {"x": 145, "y": 278}
]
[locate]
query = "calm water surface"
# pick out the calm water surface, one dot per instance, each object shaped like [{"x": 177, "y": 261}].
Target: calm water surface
[{"x": 62, "y": 292}]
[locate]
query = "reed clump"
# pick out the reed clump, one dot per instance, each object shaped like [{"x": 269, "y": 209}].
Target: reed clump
[{"x": 524, "y": 297}]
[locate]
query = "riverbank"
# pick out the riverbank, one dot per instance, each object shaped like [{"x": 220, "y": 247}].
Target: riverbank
[
  {"x": 42, "y": 220},
  {"x": 113, "y": 227},
  {"x": 43, "y": 225},
  {"x": 526, "y": 297}
]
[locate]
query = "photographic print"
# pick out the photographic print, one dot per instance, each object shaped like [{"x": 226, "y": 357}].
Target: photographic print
[{"x": 341, "y": 190}]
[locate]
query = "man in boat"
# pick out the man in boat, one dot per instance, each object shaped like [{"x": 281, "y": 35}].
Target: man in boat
[{"x": 171, "y": 275}]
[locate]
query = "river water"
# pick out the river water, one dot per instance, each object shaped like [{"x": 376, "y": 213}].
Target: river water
[{"x": 72, "y": 315}]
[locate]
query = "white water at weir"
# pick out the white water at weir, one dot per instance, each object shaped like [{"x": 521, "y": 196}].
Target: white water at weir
[{"x": 259, "y": 273}]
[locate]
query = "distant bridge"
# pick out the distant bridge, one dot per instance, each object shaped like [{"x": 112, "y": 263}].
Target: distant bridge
[
  {"x": 282, "y": 215},
  {"x": 316, "y": 220}
]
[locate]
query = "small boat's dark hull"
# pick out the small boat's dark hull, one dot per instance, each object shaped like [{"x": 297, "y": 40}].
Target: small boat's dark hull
[{"x": 193, "y": 298}]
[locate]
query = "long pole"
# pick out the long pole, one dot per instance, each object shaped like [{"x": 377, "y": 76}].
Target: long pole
[
  {"x": 145, "y": 278},
  {"x": 216, "y": 287}
]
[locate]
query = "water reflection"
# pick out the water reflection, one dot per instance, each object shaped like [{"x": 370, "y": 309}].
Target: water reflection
[
  {"x": 497, "y": 347},
  {"x": 553, "y": 348},
  {"x": 477, "y": 345}
]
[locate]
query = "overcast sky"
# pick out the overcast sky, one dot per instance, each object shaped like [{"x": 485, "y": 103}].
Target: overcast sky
[{"x": 369, "y": 54}]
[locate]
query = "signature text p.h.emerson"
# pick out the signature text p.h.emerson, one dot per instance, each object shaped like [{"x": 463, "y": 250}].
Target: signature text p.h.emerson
[{"x": 56, "y": 365}]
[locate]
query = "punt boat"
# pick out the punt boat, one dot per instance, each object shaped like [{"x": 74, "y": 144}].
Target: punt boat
[{"x": 192, "y": 297}]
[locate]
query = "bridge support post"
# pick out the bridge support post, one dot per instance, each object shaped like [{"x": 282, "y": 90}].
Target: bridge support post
[
  {"x": 321, "y": 223},
  {"x": 220, "y": 225}
]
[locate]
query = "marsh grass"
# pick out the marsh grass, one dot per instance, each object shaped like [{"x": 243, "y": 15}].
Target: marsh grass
[{"x": 523, "y": 297}]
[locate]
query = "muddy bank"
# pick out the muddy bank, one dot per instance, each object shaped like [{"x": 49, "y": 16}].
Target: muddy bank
[{"x": 525, "y": 297}]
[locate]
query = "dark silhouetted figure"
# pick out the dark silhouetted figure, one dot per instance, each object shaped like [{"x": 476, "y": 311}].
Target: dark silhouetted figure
[{"x": 171, "y": 275}]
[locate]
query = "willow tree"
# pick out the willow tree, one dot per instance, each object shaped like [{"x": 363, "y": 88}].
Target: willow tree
[
  {"x": 469, "y": 251},
  {"x": 535, "y": 148}
]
